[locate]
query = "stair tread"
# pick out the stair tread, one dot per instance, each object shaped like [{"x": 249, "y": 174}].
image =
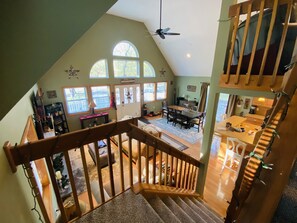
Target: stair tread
[
  {"x": 123, "y": 208},
  {"x": 179, "y": 212},
  {"x": 206, "y": 210},
  {"x": 161, "y": 208},
  {"x": 189, "y": 210}
]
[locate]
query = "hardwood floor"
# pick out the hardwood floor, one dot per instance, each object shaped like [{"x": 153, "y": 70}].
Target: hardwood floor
[{"x": 218, "y": 188}]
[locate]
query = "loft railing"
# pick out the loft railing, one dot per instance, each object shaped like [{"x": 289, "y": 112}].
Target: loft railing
[
  {"x": 175, "y": 168},
  {"x": 259, "y": 48}
]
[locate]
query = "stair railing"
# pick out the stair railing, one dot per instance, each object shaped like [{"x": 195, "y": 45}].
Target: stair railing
[
  {"x": 240, "y": 75},
  {"x": 175, "y": 168}
]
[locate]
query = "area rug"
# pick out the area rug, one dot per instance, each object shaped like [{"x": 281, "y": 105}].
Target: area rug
[{"x": 190, "y": 135}]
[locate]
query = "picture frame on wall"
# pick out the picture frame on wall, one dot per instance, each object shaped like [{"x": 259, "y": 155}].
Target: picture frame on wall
[
  {"x": 51, "y": 94},
  {"x": 191, "y": 88}
]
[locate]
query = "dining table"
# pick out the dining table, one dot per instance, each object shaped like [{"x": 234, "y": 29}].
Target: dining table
[
  {"x": 187, "y": 113},
  {"x": 240, "y": 128}
]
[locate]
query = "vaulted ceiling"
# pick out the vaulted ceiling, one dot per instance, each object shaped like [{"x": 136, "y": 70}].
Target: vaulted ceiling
[{"x": 192, "y": 52}]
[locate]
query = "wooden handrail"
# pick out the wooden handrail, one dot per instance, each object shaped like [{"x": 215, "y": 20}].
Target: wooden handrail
[{"x": 178, "y": 166}]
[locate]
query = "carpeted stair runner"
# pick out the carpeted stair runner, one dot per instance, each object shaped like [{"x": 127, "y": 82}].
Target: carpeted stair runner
[{"x": 129, "y": 207}]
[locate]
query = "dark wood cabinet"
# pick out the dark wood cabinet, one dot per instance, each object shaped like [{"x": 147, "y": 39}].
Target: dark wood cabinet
[{"x": 56, "y": 117}]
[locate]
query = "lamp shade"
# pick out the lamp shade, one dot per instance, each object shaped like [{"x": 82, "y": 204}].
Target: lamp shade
[{"x": 92, "y": 104}]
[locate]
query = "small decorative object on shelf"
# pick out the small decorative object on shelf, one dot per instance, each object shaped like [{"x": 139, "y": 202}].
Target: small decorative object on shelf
[
  {"x": 92, "y": 106},
  {"x": 56, "y": 117}
]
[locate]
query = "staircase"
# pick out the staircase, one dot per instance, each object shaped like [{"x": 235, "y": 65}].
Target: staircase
[{"x": 162, "y": 204}]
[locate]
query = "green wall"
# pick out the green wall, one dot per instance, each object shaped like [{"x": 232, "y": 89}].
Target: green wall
[
  {"x": 34, "y": 34},
  {"x": 16, "y": 199},
  {"x": 181, "y": 84},
  {"x": 98, "y": 43}
]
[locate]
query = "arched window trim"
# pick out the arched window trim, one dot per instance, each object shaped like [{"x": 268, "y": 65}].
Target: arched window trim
[
  {"x": 119, "y": 58},
  {"x": 151, "y": 68},
  {"x": 128, "y": 57},
  {"x": 106, "y": 70}
]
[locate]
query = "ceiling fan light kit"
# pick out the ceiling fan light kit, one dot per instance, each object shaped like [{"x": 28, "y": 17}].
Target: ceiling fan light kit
[{"x": 163, "y": 32}]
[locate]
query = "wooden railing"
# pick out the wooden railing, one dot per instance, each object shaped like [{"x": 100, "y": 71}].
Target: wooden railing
[
  {"x": 175, "y": 168},
  {"x": 258, "y": 68}
]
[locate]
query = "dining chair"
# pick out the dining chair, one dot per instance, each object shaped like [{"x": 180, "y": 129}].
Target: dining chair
[
  {"x": 181, "y": 119},
  {"x": 164, "y": 109},
  {"x": 199, "y": 121},
  {"x": 234, "y": 155},
  {"x": 171, "y": 115}
]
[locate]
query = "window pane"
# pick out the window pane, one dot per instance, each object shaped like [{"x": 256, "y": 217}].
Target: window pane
[
  {"x": 148, "y": 70},
  {"x": 125, "y": 68},
  {"x": 118, "y": 99},
  {"x": 99, "y": 69},
  {"x": 222, "y": 105},
  {"x": 125, "y": 49},
  {"x": 101, "y": 96},
  {"x": 137, "y": 94},
  {"x": 149, "y": 92},
  {"x": 76, "y": 100},
  {"x": 161, "y": 90}
]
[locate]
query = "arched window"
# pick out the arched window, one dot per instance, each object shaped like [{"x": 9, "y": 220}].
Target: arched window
[
  {"x": 125, "y": 49},
  {"x": 99, "y": 69},
  {"x": 125, "y": 62},
  {"x": 148, "y": 69}
]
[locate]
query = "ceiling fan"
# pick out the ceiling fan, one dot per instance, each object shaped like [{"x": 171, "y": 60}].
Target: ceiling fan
[{"x": 163, "y": 32}]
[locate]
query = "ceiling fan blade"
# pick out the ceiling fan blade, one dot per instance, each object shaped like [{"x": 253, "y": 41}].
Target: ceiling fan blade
[
  {"x": 172, "y": 34},
  {"x": 165, "y": 30}
]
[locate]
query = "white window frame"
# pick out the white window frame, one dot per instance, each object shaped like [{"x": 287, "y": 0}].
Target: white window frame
[
  {"x": 153, "y": 94},
  {"x": 98, "y": 100},
  {"x": 93, "y": 72},
  {"x": 158, "y": 93},
  {"x": 118, "y": 58},
  {"x": 150, "y": 67},
  {"x": 80, "y": 107}
]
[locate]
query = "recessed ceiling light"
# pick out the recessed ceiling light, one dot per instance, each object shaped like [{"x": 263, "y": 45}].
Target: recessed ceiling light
[{"x": 189, "y": 55}]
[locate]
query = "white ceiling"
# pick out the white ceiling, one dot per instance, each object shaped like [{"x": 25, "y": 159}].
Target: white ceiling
[{"x": 196, "y": 20}]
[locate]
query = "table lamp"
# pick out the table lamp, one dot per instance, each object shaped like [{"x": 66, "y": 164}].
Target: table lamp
[{"x": 92, "y": 106}]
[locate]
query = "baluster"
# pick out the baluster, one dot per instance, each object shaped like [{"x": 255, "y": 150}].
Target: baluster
[
  {"x": 171, "y": 170},
  {"x": 254, "y": 48},
  {"x": 121, "y": 163},
  {"x": 100, "y": 181},
  {"x": 271, "y": 26},
  {"x": 139, "y": 162},
  {"x": 245, "y": 33},
  {"x": 130, "y": 162},
  {"x": 72, "y": 183},
  {"x": 231, "y": 51},
  {"x": 166, "y": 167},
  {"x": 110, "y": 167},
  {"x": 147, "y": 163},
  {"x": 50, "y": 168},
  {"x": 176, "y": 173},
  {"x": 160, "y": 167},
  {"x": 154, "y": 166},
  {"x": 282, "y": 43},
  {"x": 85, "y": 167}
]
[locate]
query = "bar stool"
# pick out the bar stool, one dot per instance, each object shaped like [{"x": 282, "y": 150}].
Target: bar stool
[{"x": 234, "y": 154}]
